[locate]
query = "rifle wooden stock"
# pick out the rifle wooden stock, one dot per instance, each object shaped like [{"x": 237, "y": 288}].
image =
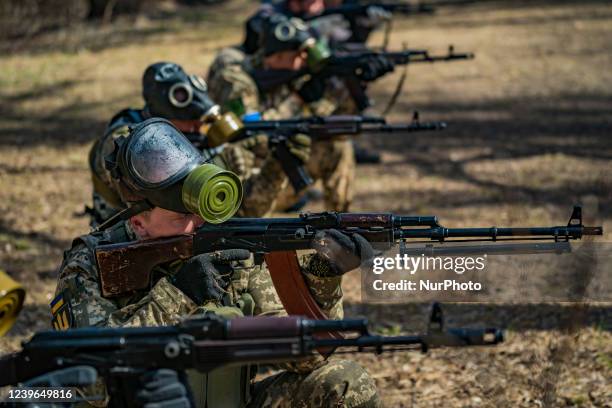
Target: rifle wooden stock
[{"x": 124, "y": 275}]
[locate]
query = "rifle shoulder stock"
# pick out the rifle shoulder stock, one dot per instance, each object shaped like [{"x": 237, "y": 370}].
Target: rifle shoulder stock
[{"x": 126, "y": 267}]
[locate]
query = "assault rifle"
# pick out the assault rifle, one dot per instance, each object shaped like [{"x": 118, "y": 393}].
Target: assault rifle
[
  {"x": 318, "y": 128},
  {"x": 126, "y": 267},
  {"x": 208, "y": 341},
  {"x": 348, "y": 64}
]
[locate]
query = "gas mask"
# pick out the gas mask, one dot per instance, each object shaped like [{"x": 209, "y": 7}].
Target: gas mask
[
  {"x": 291, "y": 34},
  {"x": 157, "y": 166},
  {"x": 172, "y": 94}
]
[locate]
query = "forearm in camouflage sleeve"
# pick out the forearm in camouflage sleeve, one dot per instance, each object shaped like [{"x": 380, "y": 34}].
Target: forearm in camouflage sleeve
[
  {"x": 261, "y": 183},
  {"x": 267, "y": 303},
  {"x": 327, "y": 291},
  {"x": 261, "y": 190},
  {"x": 164, "y": 304},
  {"x": 261, "y": 288}
]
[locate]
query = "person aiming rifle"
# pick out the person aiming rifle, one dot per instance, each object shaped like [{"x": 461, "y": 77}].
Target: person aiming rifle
[
  {"x": 171, "y": 93},
  {"x": 271, "y": 83},
  {"x": 170, "y": 190}
]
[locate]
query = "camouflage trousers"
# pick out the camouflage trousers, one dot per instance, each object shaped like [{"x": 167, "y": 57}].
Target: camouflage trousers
[
  {"x": 338, "y": 383},
  {"x": 332, "y": 162}
]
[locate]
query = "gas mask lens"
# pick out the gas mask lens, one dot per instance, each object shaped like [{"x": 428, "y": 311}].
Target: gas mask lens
[
  {"x": 180, "y": 94},
  {"x": 159, "y": 155}
]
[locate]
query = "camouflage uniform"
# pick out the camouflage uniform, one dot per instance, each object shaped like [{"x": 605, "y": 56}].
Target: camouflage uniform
[
  {"x": 251, "y": 292},
  {"x": 333, "y": 162},
  {"x": 261, "y": 175}
]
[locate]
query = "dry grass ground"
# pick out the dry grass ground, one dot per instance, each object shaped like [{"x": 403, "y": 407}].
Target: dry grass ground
[{"x": 529, "y": 135}]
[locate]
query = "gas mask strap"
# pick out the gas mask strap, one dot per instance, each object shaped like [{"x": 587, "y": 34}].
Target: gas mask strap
[{"x": 124, "y": 215}]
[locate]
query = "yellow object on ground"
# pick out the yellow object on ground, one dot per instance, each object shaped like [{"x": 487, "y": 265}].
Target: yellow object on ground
[{"x": 12, "y": 295}]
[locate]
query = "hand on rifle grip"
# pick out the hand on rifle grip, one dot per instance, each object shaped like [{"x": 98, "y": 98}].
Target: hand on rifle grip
[
  {"x": 205, "y": 277},
  {"x": 291, "y": 153}
]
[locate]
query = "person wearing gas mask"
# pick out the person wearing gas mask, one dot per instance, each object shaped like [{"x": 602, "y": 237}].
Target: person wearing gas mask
[
  {"x": 172, "y": 94},
  {"x": 349, "y": 31},
  {"x": 166, "y": 182},
  {"x": 337, "y": 28},
  {"x": 276, "y": 82}
]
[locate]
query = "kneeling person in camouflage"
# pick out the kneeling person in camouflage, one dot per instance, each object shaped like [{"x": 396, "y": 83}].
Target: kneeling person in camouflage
[
  {"x": 150, "y": 167},
  {"x": 273, "y": 82}
]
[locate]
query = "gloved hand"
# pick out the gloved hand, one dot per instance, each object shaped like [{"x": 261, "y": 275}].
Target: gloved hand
[
  {"x": 343, "y": 252},
  {"x": 312, "y": 90},
  {"x": 162, "y": 389},
  {"x": 257, "y": 144},
  {"x": 205, "y": 277},
  {"x": 299, "y": 146},
  {"x": 374, "y": 67}
]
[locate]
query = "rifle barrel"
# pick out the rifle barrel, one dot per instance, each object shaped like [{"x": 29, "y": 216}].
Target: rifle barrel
[{"x": 440, "y": 233}]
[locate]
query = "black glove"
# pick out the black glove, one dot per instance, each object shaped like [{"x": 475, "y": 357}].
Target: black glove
[
  {"x": 342, "y": 252},
  {"x": 162, "y": 389},
  {"x": 374, "y": 67},
  {"x": 312, "y": 90},
  {"x": 205, "y": 277}
]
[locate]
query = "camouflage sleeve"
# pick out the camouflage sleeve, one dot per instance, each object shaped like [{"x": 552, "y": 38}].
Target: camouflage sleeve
[
  {"x": 262, "y": 189},
  {"x": 261, "y": 174},
  {"x": 264, "y": 294},
  {"x": 78, "y": 285},
  {"x": 233, "y": 89},
  {"x": 327, "y": 291},
  {"x": 267, "y": 303}
]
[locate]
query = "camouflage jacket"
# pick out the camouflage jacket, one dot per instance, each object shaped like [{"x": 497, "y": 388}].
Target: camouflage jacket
[
  {"x": 232, "y": 87},
  {"x": 251, "y": 290},
  {"x": 79, "y": 303}
]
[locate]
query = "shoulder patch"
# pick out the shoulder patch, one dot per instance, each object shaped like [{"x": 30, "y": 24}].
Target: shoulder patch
[{"x": 61, "y": 312}]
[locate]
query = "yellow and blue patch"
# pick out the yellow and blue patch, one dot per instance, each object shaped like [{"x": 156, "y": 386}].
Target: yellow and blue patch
[{"x": 62, "y": 312}]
